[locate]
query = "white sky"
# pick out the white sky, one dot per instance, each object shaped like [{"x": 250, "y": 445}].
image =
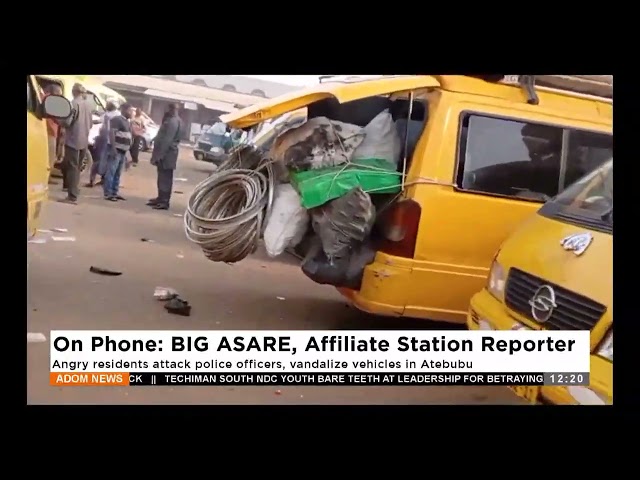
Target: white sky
[{"x": 298, "y": 80}]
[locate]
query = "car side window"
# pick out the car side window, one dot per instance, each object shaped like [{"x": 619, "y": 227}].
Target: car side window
[
  {"x": 586, "y": 152},
  {"x": 507, "y": 157}
]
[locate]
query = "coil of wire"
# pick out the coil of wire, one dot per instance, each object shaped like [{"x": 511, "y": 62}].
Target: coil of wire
[{"x": 227, "y": 212}]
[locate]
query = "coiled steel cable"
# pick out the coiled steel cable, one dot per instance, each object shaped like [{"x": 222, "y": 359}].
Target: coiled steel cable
[{"x": 227, "y": 212}]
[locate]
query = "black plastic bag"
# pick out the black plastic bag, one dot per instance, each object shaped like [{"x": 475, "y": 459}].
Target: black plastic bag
[
  {"x": 343, "y": 222},
  {"x": 342, "y": 272}
]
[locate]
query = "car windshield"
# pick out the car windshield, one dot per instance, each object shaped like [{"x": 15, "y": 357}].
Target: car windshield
[{"x": 592, "y": 195}]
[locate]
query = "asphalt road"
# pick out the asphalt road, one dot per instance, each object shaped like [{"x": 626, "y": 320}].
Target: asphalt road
[{"x": 63, "y": 294}]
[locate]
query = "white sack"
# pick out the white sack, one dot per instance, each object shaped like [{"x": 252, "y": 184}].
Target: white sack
[
  {"x": 287, "y": 222},
  {"x": 381, "y": 140}
]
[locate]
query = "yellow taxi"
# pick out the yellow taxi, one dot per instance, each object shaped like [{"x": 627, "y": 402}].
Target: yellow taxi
[{"x": 555, "y": 272}]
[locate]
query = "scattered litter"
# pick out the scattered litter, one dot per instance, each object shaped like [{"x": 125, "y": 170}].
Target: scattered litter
[
  {"x": 69, "y": 256},
  {"x": 177, "y": 306},
  {"x": 38, "y": 240},
  {"x": 301, "y": 396},
  {"x": 164, "y": 293},
  {"x": 60, "y": 230},
  {"x": 178, "y": 192},
  {"x": 180, "y": 179},
  {"x": 278, "y": 392},
  {"x": 104, "y": 271},
  {"x": 178, "y": 215},
  {"x": 217, "y": 323},
  {"x": 263, "y": 266},
  {"x": 44, "y": 230},
  {"x": 36, "y": 338},
  {"x": 281, "y": 298},
  {"x": 63, "y": 239},
  {"x": 180, "y": 255},
  {"x": 231, "y": 264},
  {"x": 147, "y": 240}
]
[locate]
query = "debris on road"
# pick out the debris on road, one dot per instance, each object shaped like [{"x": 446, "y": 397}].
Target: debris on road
[
  {"x": 38, "y": 240},
  {"x": 147, "y": 240},
  {"x": 178, "y": 192},
  {"x": 104, "y": 271},
  {"x": 181, "y": 179},
  {"x": 44, "y": 230},
  {"x": 60, "y": 230},
  {"x": 164, "y": 293},
  {"x": 177, "y": 306},
  {"x": 278, "y": 392},
  {"x": 63, "y": 239},
  {"x": 281, "y": 298},
  {"x": 178, "y": 215},
  {"x": 180, "y": 255},
  {"x": 36, "y": 338}
]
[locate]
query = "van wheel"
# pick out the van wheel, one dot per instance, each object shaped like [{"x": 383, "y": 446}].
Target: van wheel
[{"x": 142, "y": 145}]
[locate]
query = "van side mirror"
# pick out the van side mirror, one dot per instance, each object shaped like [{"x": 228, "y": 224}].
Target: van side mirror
[{"x": 56, "y": 106}]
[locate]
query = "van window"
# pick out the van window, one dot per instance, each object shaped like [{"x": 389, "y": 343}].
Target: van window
[
  {"x": 586, "y": 152},
  {"x": 508, "y": 157}
]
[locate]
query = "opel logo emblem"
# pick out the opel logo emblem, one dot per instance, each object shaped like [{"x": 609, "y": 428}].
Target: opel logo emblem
[
  {"x": 543, "y": 303},
  {"x": 577, "y": 243}
]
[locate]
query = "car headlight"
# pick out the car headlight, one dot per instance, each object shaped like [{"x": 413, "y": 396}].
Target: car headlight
[
  {"x": 495, "y": 284},
  {"x": 605, "y": 350}
]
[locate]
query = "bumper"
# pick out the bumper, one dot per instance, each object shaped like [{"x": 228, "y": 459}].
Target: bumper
[
  {"x": 384, "y": 283},
  {"x": 394, "y": 286},
  {"x": 487, "y": 313}
]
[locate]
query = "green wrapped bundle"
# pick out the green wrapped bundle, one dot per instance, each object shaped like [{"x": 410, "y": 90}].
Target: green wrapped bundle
[{"x": 373, "y": 175}]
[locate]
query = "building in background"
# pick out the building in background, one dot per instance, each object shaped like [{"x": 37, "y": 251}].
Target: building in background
[
  {"x": 236, "y": 83},
  {"x": 200, "y": 105}
]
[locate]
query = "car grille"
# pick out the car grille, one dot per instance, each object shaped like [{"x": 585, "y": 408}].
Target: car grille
[{"x": 573, "y": 311}]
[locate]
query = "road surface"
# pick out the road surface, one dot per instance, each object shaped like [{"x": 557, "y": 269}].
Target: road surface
[{"x": 63, "y": 294}]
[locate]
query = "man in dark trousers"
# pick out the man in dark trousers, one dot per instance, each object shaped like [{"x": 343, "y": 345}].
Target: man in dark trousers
[
  {"x": 76, "y": 142},
  {"x": 119, "y": 144},
  {"x": 165, "y": 156}
]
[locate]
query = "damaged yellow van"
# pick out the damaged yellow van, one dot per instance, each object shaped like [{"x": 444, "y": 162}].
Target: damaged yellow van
[
  {"x": 479, "y": 155},
  {"x": 38, "y": 168},
  {"x": 555, "y": 272}
]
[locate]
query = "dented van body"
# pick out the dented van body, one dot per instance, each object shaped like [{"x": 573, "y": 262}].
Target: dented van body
[{"x": 478, "y": 158}]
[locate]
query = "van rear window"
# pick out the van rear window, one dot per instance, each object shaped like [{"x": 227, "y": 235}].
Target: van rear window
[{"x": 525, "y": 160}]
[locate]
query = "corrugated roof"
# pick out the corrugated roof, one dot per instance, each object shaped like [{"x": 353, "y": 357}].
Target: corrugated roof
[
  {"x": 212, "y": 104},
  {"x": 180, "y": 88}
]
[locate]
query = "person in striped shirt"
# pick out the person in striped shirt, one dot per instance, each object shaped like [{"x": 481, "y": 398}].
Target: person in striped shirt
[{"x": 119, "y": 144}]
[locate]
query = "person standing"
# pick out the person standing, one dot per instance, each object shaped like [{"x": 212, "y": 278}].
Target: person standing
[
  {"x": 119, "y": 144},
  {"x": 76, "y": 142},
  {"x": 137, "y": 129},
  {"x": 165, "y": 156},
  {"x": 102, "y": 141}
]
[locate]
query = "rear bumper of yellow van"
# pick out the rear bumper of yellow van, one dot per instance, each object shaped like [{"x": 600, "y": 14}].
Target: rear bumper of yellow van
[
  {"x": 384, "y": 286},
  {"x": 394, "y": 286}
]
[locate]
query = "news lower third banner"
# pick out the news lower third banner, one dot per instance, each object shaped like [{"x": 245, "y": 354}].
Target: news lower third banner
[{"x": 281, "y": 358}]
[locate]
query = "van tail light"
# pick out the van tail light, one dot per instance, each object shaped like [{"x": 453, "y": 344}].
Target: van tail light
[{"x": 399, "y": 227}]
